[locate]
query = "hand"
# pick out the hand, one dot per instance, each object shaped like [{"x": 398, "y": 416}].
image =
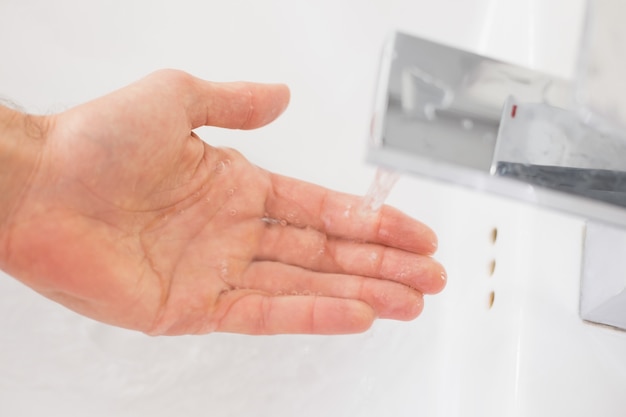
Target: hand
[{"x": 131, "y": 219}]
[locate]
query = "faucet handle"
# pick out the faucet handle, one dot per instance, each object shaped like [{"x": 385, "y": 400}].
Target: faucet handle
[{"x": 552, "y": 147}]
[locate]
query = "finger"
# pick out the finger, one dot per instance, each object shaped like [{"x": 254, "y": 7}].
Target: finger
[
  {"x": 388, "y": 299},
  {"x": 310, "y": 249},
  {"x": 254, "y": 313},
  {"x": 341, "y": 215},
  {"x": 233, "y": 105}
]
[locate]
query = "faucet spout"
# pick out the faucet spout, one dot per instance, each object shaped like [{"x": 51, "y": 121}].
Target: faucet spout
[{"x": 471, "y": 120}]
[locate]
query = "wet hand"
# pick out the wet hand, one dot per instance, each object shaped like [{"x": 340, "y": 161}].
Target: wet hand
[{"x": 131, "y": 219}]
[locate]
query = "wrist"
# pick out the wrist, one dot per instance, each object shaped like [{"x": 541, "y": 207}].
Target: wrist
[{"x": 21, "y": 140}]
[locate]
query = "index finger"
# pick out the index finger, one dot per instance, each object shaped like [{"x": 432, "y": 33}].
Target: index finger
[{"x": 302, "y": 204}]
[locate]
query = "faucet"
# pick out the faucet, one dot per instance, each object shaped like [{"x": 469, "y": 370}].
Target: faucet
[{"x": 471, "y": 120}]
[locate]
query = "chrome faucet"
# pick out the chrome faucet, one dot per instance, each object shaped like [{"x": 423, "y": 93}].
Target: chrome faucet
[{"x": 456, "y": 116}]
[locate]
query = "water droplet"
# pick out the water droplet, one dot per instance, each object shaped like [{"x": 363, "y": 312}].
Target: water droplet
[
  {"x": 230, "y": 192},
  {"x": 346, "y": 213},
  {"x": 222, "y": 165},
  {"x": 232, "y": 212},
  {"x": 224, "y": 270},
  {"x": 283, "y": 222}
]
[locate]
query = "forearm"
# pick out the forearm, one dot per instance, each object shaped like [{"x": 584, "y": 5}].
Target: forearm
[{"x": 21, "y": 140}]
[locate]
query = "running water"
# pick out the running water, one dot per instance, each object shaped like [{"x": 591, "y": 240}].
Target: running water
[{"x": 379, "y": 189}]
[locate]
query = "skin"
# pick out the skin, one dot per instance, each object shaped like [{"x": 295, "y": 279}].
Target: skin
[{"x": 119, "y": 211}]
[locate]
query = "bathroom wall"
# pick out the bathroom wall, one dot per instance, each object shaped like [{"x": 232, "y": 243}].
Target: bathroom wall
[{"x": 504, "y": 339}]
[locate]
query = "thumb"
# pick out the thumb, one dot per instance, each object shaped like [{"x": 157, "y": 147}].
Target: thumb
[
  {"x": 240, "y": 105},
  {"x": 233, "y": 105}
]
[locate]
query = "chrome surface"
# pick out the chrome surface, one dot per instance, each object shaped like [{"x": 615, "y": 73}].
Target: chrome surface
[{"x": 468, "y": 119}]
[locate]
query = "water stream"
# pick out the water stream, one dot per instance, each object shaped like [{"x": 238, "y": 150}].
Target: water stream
[{"x": 380, "y": 188}]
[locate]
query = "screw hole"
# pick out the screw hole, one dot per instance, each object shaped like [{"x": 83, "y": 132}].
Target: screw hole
[
  {"x": 492, "y": 297},
  {"x": 494, "y": 235}
]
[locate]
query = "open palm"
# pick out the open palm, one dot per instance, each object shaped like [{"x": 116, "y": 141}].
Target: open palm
[{"x": 133, "y": 220}]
